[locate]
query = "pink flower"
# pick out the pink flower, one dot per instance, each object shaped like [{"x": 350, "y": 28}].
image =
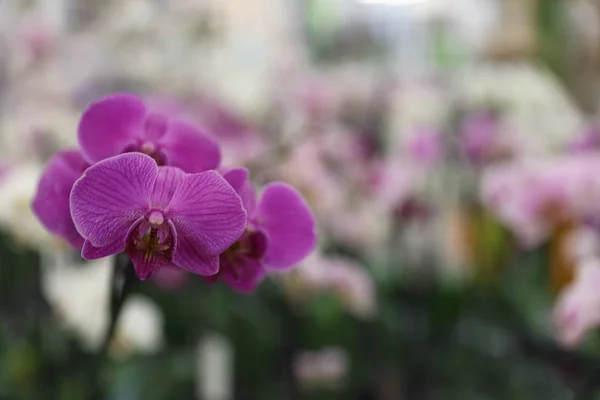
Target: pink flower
[
  {"x": 479, "y": 136},
  {"x": 425, "y": 147},
  {"x": 122, "y": 123},
  {"x": 280, "y": 232},
  {"x": 51, "y": 202},
  {"x": 160, "y": 216},
  {"x": 578, "y": 308},
  {"x": 117, "y": 124},
  {"x": 534, "y": 197},
  {"x": 588, "y": 140},
  {"x": 345, "y": 278}
]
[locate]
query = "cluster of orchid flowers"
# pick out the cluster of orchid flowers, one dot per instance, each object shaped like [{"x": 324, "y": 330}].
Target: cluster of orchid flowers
[
  {"x": 150, "y": 184},
  {"x": 555, "y": 200}
]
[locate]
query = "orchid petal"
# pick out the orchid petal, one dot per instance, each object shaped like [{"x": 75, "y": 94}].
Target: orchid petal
[
  {"x": 189, "y": 148},
  {"x": 51, "y": 202},
  {"x": 208, "y": 216},
  {"x": 289, "y": 223},
  {"x": 239, "y": 180},
  {"x": 109, "y": 125},
  {"x": 111, "y": 195},
  {"x": 243, "y": 274}
]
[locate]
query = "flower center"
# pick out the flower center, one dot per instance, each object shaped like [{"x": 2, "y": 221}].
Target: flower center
[
  {"x": 252, "y": 244},
  {"x": 149, "y": 148},
  {"x": 151, "y": 244},
  {"x": 156, "y": 218}
]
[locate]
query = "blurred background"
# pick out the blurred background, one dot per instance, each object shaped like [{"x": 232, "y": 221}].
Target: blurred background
[{"x": 449, "y": 149}]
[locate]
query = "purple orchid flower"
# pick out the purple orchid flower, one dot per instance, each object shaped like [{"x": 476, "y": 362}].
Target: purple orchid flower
[
  {"x": 479, "y": 134},
  {"x": 160, "y": 216},
  {"x": 122, "y": 123},
  {"x": 51, "y": 202},
  {"x": 280, "y": 232}
]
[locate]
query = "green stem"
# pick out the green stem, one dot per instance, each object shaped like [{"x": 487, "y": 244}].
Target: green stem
[{"x": 122, "y": 271}]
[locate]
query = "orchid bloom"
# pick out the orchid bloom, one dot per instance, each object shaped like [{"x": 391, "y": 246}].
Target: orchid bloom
[
  {"x": 160, "y": 216},
  {"x": 280, "y": 232},
  {"x": 118, "y": 124},
  {"x": 577, "y": 310},
  {"x": 122, "y": 123},
  {"x": 51, "y": 202}
]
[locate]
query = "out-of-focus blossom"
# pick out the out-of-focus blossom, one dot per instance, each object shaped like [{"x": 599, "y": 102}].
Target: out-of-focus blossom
[
  {"x": 479, "y": 137},
  {"x": 214, "y": 367},
  {"x": 159, "y": 216},
  {"x": 139, "y": 329},
  {"x": 51, "y": 202},
  {"x": 534, "y": 197},
  {"x": 588, "y": 140},
  {"x": 80, "y": 294},
  {"x": 122, "y": 123},
  {"x": 349, "y": 281},
  {"x": 305, "y": 170},
  {"x": 537, "y": 118},
  {"x": 18, "y": 186},
  {"x": 37, "y": 37},
  {"x": 36, "y": 129},
  {"x": 280, "y": 232},
  {"x": 4, "y": 169},
  {"x": 414, "y": 105},
  {"x": 396, "y": 182},
  {"x": 425, "y": 147},
  {"x": 578, "y": 308},
  {"x": 240, "y": 141},
  {"x": 583, "y": 243},
  {"x": 170, "y": 279},
  {"x": 358, "y": 224},
  {"x": 323, "y": 368}
]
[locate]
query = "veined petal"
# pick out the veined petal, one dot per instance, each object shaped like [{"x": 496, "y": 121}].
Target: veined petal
[
  {"x": 191, "y": 258},
  {"x": 111, "y": 195},
  {"x": 289, "y": 223},
  {"x": 208, "y": 216},
  {"x": 51, "y": 202},
  {"x": 236, "y": 177},
  {"x": 243, "y": 274},
  {"x": 167, "y": 180},
  {"x": 109, "y": 125},
  {"x": 189, "y": 148},
  {"x": 239, "y": 180},
  {"x": 89, "y": 252}
]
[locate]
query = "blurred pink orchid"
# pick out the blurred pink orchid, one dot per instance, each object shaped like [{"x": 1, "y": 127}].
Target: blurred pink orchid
[
  {"x": 578, "y": 308},
  {"x": 534, "y": 197},
  {"x": 344, "y": 277},
  {"x": 425, "y": 147},
  {"x": 323, "y": 368}
]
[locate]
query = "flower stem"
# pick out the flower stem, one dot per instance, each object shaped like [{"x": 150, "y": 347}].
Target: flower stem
[{"x": 122, "y": 282}]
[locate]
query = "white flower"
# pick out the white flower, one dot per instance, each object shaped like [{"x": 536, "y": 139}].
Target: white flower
[
  {"x": 324, "y": 367},
  {"x": 18, "y": 186},
  {"x": 214, "y": 368},
  {"x": 538, "y": 115},
  {"x": 80, "y": 293},
  {"x": 139, "y": 328}
]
